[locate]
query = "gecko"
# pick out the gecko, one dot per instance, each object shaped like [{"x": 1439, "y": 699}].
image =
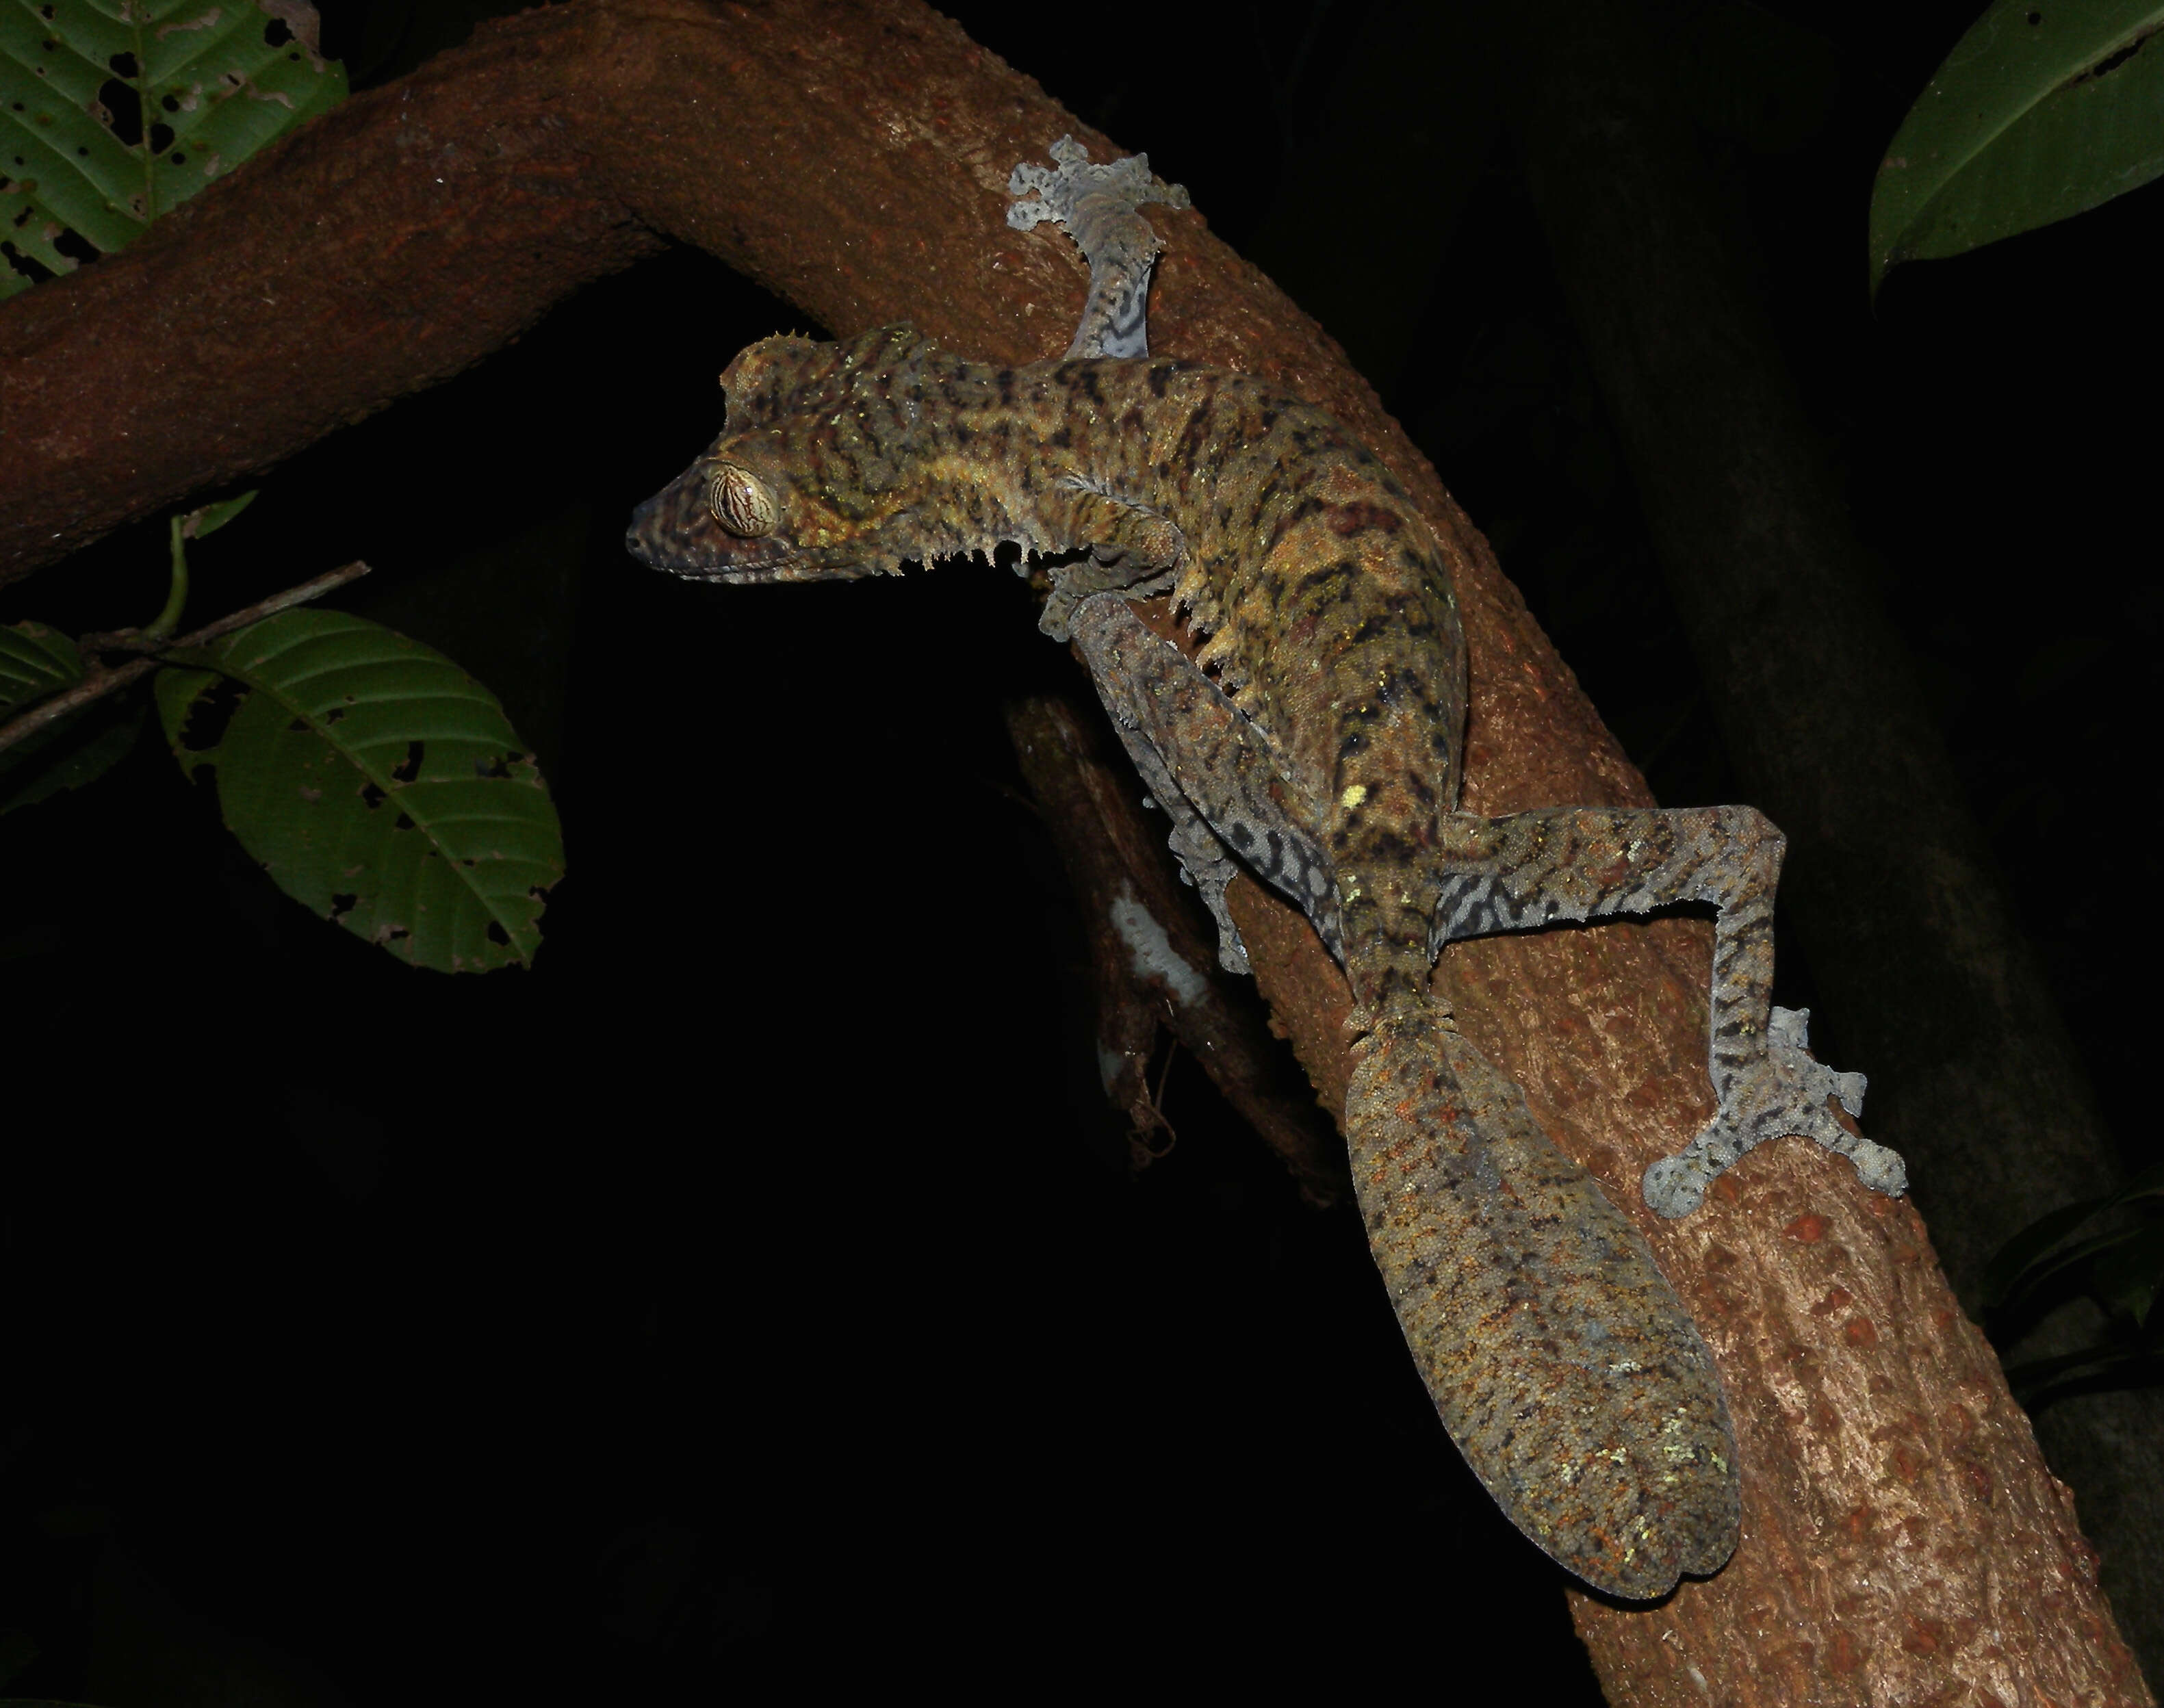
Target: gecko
[{"x": 1315, "y": 738}]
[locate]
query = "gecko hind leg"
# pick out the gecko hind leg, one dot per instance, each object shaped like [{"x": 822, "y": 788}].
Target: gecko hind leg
[
  {"x": 1173, "y": 719},
  {"x": 1534, "y": 869}
]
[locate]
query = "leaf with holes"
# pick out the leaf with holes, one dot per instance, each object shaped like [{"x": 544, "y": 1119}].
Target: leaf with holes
[
  {"x": 113, "y": 111},
  {"x": 2046, "y": 108},
  {"x": 36, "y": 663},
  {"x": 377, "y": 782}
]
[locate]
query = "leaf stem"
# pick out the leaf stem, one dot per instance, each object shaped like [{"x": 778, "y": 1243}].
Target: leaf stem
[
  {"x": 101, "y": 681},
  {"x": 166, "y": 621}
]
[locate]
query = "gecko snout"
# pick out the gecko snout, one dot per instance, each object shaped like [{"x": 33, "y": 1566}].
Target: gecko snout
[{"x": 668, "y": 530}]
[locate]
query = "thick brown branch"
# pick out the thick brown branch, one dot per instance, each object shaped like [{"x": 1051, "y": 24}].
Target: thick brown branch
[
  {"x": 1892, "y": 892},
  {"x": 1150, "y": 960},
  {"x": 853, "y": 157}
]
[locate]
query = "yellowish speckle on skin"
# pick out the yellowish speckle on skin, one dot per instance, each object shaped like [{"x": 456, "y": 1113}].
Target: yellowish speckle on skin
[{"x": 1353, "y": 796}]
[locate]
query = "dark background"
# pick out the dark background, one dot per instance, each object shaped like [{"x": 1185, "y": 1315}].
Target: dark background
[{"x": 754, "y": 1295}]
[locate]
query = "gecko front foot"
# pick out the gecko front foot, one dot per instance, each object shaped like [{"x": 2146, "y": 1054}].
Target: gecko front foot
[
  {"x": 1784, "y": 1091},
  {"x": 1099, "y": 207},
  {"x": 1072, "y": 583}
]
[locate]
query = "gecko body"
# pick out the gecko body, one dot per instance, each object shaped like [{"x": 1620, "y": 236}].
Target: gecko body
[{"x": 1314, "y": 736}]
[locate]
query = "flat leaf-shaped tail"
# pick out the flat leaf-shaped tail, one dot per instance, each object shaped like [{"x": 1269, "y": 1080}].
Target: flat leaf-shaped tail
[{"x": 1564, "y": 1365}]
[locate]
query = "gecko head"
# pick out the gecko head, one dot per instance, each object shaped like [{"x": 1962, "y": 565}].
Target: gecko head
[
  {"x": 800, "y": 486},
  {"x": 743, "y": 512}
]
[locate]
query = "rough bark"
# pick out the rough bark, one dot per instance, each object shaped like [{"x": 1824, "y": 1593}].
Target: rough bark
[
  {"x": 1890, "y": 885},
  {"x": 1903, "y": 1540}
]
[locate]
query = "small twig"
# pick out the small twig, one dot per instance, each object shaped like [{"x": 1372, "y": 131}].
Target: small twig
[
  {"x": 1117, "y": 860},
  {"x": 1149, "y": 1113},
  {"x": 1164, "y": 1078},
  {"x": 100, "y": 682}
]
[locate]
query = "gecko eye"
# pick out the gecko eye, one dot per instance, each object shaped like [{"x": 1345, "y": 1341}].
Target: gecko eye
[{"x": 741, "y": 501}]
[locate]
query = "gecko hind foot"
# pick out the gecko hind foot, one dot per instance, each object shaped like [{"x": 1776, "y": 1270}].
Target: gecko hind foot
[{"x": 1785, "y": 1091}]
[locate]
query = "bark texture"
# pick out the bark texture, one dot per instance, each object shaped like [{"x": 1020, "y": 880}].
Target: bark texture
[
  {"x": 1903, "y": 1540},
  {"x": 1890, "y": 885}
]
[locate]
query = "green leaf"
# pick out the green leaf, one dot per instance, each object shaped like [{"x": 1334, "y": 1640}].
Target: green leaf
[
  {"x": 2008, "y": 1272},
  {"x": 2044, "y": 109},
  {"x": 177, "y": 690},
  {"x": 2032, "y": 1249},
  {"x": 2123, "y": 1366},
  {"x": 113, "y": 111},
  {"x": 379, "y": 785},
  {"x": 2066, "y": 1257},
  {"x": 2148, "y": 1184},
  {"x": 2126, "y": 1278},
  {"x": 196, "y": 524},
  {"x": 35, "y": 662},
  {"x": 73, "y": 750}
]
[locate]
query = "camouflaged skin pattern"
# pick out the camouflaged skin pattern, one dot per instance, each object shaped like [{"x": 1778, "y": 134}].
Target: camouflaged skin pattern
[{"x": 1563, "y": 1364}]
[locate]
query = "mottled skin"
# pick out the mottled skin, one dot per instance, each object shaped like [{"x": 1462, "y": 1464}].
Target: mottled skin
[
  {"x": 1319, "y": 740},
  {"x": 1327, "y": 604}
]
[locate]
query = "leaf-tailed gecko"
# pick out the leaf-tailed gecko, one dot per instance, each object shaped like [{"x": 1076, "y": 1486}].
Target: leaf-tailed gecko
[{"x": 1316, "y": 738}]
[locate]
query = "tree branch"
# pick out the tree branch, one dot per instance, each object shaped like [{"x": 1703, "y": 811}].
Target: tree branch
[
  {"x": 853, "y": 157},
  {"x": 100, "y": 682},
  {"x": 1890, "y": 886},
  {"x": 1150, "y": 960}
]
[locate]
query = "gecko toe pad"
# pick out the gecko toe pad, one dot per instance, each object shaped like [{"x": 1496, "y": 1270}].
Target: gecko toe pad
[{"x": 1785, "y": 1091}]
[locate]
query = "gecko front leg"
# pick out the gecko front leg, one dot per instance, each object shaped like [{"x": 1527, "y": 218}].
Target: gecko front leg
[
  {"x": 1099, "y": 207},
  {"x": 1133, "y": 549}
]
